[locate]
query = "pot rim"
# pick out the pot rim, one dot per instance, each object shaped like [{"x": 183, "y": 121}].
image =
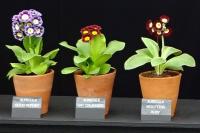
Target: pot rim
[
  {"x": 179, "y": 74},
  {"x": 32, "y": 76},
  {"x": 77, "y": 73}
]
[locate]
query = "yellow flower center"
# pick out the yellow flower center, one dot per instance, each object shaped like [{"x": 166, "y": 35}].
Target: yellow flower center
[
  {"x": 87, "y": 38},
  {"x": 30, "y": 30},
  {"x": 85, "y": 32},
  {"x": 29, "y": 24},
  {"x": 94, "y": 33},
  {"x": 36, "y": 21},
  {"x": 158, "y": 25},
  {"x": 19, "y": 34}
]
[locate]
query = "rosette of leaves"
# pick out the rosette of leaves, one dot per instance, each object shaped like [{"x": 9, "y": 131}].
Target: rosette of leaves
[
  {"x": 160, "y": 58},
  {"x": 27, "y": 27},
  {"x": 92, "y": 56},
  {"x": 30, "y": 60},
  {"x": 163, "y": 58}
]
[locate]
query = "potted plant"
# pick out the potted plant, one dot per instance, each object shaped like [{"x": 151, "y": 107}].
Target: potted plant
[
  {"x": 31, "y": 76},
  {"x": 94, "y": 77},
  {"x": 162, "y": 82}
]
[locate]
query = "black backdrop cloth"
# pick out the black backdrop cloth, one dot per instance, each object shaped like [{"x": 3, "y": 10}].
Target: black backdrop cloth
[{"x": 122, "y": 20}]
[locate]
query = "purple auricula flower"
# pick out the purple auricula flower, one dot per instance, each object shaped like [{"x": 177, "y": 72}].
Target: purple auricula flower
[
  {"x": 39, "y": 31},
  {"x": 15, "y": 18},
  {"x": 24, "y": 16},
  {"x": 29, "y": 30},
  {"x": 16, "y": 26},
  {"x": 27, "y": 23},
  {"x": 37, "y": 21},
  {"x": 35, "y": 13},
  {"x": 18, "y": 35}
]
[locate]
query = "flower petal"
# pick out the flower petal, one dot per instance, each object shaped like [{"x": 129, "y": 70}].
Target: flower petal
[
  {"x": 39, "y": 31},
  {"x": 149, "y": 24},
  {"x": 164, "y": 18}
]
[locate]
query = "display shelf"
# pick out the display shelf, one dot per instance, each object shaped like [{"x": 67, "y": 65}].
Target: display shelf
[{"x": 124, "y": 115}]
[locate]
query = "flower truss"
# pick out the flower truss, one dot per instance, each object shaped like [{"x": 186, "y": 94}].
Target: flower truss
[
  {"x": 89, "y": 32},
  {"x": 27, "y": 23},
  {"x": 158, "y": 27}
]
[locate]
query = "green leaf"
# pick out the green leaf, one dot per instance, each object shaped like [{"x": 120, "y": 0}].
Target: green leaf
[
  {"x": 34, "y": 43},
  {"x": 157, "y": 61},
  {"x": 136, "y": 61},
  {"x": 37, "y": 44},
  {"x": 144, "y": 51},
  {"x": 177, "y": 62},
  {"x": 21, "y": 55},
  {"x": 35, "y": 61},
  {"x": 97, "y": 46},
  {"x": 18, "y": 65},
  {"x": 14, "y": 72},
  {"x": 93, "y": 70},
  {"x": 69, "y": 70},
  {"x": 79, "y": 59},
  {"x": 50, "y": 62},
  {"x": 40, "y": 69},
  {"x": 27, "y": 43},
  {"x": 84, "y": 67},
  {"x": 66, "y": 45},
  {"x": 105, "y": 68},
  {"x": 38, "y": 47},
  {"x": 38, "y": 65},
  {"x": 167, "y": 51},
  {"x": 114, "y": 46},
  {"x": 102, "y": 59},
  {"x": 27, "y": 56},
  {"x": 52, "y": 54},
  {"x": 152, "y": 46},
  {"x": 83, "y": 48}
]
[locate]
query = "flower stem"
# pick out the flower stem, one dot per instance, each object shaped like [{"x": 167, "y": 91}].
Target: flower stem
[{"x": 163, "y": 41}]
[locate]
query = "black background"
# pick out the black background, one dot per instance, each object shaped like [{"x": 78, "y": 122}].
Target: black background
[{"x": 121, "y": 20}]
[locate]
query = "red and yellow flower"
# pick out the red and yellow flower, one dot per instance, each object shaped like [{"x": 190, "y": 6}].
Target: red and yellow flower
[{"x": 89, "y": 32}]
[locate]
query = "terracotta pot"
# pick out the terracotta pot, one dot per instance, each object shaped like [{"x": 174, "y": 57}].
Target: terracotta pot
[
  {"x": 35, "y": 86},
  {"x": 161, "y": 88},
  {"x": 96, "y": 86}
]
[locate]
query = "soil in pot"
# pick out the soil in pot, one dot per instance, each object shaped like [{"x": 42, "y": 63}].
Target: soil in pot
[
  {"x": 35, "y": 86},
  {"x": 165, "y": 86},
  {"x": 96, "y": 86}
]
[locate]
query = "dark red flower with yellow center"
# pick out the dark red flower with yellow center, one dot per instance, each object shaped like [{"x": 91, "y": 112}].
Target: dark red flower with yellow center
[
  {"x": 164, "y": 19},
  {"x": 158, "y": 27},
  {"x": 89, "y": 32},
  {"x": 86, "y": 37},
  {"x": 167, "y": 32},
  {"x": 149, "y": 24}
]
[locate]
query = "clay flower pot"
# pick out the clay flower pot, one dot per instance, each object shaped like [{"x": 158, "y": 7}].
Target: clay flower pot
[
  {"x": 161, "y": 87},
  {"x": 96, "y": 86},
  {"x": 35, "y": 86}
]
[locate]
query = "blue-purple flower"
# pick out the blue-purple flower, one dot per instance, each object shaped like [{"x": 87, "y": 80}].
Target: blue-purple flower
[
  {"x": 29, "y": 31},
  {"x": 24, "y": 16},
  {"x": 37, "y": 21},
  {"x": 18, "y": 35},
  {"x": 38, "y": 31},
  {"x": 27, "y": 23}
]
